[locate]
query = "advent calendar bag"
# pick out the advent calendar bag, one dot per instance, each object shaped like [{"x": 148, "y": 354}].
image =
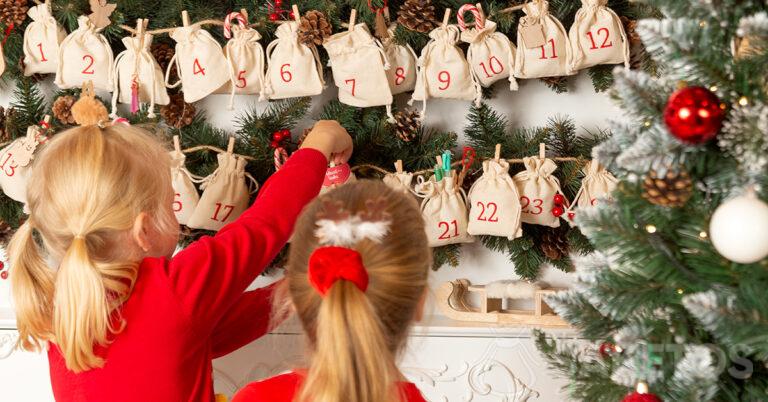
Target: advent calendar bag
[
  {"x": 494, "y": 202},
  {"x": 185, "y": 194},
  {"x": 597, "y": 37},
  {"x": 358, "y": 64},
  {"x": 597, "y": 183},
  {"x": 85, "y": 55},
  {"x": 400, "y": 181},
  {"x": 136, "y": 64},
  {"x": 15, "y": 162},
  {"x": 445, "y": 212},
  {"x": 443, "y": 70},
  {"x": 199, "y": 61},
  {"x": 542, "y": 46},
  {"x": 402, "y": 65},
  {"x": 293, "y": 68},
  {"x": 537, "y": 188},
  {"x": 490, "y": 55},
  {"x": 225, "y": 195},
  {"x": 245, "y": 56},
  {"x": 41, "y": 41}
]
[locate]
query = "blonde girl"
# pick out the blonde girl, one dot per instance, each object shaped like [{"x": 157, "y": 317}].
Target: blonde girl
[
  {"x": 94, "y": 283},
  {"x": 356, "y": 277}
]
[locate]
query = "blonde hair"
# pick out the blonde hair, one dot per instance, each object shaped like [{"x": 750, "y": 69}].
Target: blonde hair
[
  {"x": 85, "y": 190},
  {"x": 356, "y": 336}
]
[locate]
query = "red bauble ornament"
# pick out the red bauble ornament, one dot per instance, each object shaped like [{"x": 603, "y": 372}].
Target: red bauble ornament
[
  {"x": 274, "y": 17},
  {"x": 277, "y": 136},
  {"x": 4, "y": 274},
  {"x": 638, "y": 397},
  {"x": 278, "y": 3},
  {"x": 607, "y": 349},
  {"x": 557, "y": 210},
  {"x": 559, "y": 199},
  {"x": 694, "y": 115},
  {"x": 2, "y": 265}
]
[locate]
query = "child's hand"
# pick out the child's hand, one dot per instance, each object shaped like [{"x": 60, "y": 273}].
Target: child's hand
[{"x": 330, "y": 138}]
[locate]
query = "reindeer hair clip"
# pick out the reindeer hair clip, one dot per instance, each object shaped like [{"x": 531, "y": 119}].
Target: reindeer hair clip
[{"x": 338, "y": 227}]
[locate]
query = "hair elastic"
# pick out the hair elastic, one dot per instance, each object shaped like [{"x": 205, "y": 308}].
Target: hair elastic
[{"x": 332, "y": 263}]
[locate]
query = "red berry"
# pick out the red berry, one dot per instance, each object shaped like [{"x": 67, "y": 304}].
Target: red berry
[
  {"x": 278, "y": 3},
  {"x": 286, "y": 133},
  {"x": 277, "y": 136},
  {"x": 559, "y": 199},
  {"x": 2, "y": 265},
  {"x": 557, "y": 210},
  {"x": 274, "y": 17},
  {"x": 571, "y": 215},
  {"x": 275, "y": 144},
  {"x": 291, "y": 15},
  {"x": 4, "y": 274}
]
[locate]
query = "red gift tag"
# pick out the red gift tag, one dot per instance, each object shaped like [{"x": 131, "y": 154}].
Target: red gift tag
[{"x": 336, "y": 175}]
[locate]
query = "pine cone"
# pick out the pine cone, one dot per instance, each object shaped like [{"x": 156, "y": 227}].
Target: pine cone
[
  {"x": 407, "y": 124},
  {"x": 559, "y": 83},
  {"x": 7, "y": 117},
  {"x": 62, "y": 109},
  {"x": 314, "y": 28},
  {"x": 554, "y": 243},
  {"x": 417, "y": 15},
  {"x": 178, "y": 113},
  {"x": 163, "y": 53},
  {"x": 13, "y": 11},
  {"x": 637, "y": 53},
  {"x": 6, "y": 231},
  {"x": 671, "y": 190}
]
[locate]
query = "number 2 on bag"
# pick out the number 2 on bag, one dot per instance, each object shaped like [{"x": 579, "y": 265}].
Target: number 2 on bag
[
  {"x": 89, "y": 68},
  {"x": 487, "y": 206},
  {"x": 447, "y": 232},
  {"x": 227, "y": 210},
  {"x": 8, "y": 169},
  {"x": 606, "y": 43},
  {"x": 525, "y": 202}
]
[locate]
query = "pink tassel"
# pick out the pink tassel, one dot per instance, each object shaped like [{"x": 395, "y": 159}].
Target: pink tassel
[{"x": 134, "y": 95}]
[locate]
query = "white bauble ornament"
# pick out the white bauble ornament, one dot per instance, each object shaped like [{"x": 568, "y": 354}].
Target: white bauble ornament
[{"x": 739, "y": 229}]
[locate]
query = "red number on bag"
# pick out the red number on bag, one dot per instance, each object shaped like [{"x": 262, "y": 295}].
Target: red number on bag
[
  {"x": 352, "y": 80},
  {"x": 285, "y": 73},
  {"x": 445, "y": 78},
  {"x": 227, "y": 212},
  {"x": 42, "y": 55},
  {"x": 493, "y": 67},
  {"x": 12, "y": 166},
  {"x": 544, "y": 54},
  {"x": 447, "y": 232},
  {"x": 197, "y": 68},
  {"x": 399, "y": 75},
  {"x": 493, "y": 217},
  {"x": 525, "y": 202},
  {"x": 241, "y": 81},
  {"x": 88, "y": 69},
  {"x": 177, "y": 205},
  {"x": 605, "y": 44}
]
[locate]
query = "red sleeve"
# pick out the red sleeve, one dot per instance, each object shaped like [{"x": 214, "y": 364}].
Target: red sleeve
[
  {"x": 211, "y": 274},
  {"x": 247, "y": 320}
]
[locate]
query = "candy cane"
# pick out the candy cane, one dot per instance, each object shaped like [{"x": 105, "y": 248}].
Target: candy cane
[
  {"x": 228, "y": 23},
  {"x": 281, "y": 156},
  {"x": 479, "y": 22}
]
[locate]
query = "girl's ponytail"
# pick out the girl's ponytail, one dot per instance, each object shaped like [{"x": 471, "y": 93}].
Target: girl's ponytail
[
  {"x": 31, "y": 288},
  {"x": 80, "y": 308},
  {"x": 353, "y": 362}
]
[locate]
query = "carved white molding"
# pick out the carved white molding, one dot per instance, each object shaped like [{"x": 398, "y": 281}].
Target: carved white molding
[{"x": 8, "y": 344}]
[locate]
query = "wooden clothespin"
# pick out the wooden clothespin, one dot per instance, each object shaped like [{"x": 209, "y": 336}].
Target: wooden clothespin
[
  {"x": 542, "y": 150},
  {"x": 497, "y": 154},
  {"x": 184, "y": 18},
  {"x": 439, "y": 159},
  {"x": 399, "y": 166},
  {"x": 352, "y": 17},
  {"x": 480, "y": 10},
  {"x": 296, "y": 15},
  {"x": 244, "y": 13},
  {"x": 231, "y": 145},
  {"x": 176, "y": 143},
  {"x": 140, "y": 25},
  {"x": 446, "y": 17}
]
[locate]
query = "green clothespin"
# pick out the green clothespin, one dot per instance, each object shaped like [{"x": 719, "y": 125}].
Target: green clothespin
[
  {"x": 447, "y": 163},
  {"x": 438, "y": 173}
]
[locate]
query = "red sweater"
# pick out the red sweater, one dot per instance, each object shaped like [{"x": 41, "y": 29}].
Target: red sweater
[
  {"x": 188, "y": 310},
  {"x": 284, "y": 387}
]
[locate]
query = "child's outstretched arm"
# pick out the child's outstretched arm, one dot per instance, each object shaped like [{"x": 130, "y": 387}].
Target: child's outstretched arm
[{"x": 211, "y": 274}]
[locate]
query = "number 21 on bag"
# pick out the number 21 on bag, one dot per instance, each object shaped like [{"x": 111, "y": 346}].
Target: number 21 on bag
[{"x": 448, "y": 229}]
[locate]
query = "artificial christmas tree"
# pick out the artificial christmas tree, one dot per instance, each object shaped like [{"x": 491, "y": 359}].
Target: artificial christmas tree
[{"x": 690, "y": 321}]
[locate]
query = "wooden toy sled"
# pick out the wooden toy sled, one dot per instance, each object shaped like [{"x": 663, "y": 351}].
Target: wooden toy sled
[{"x": 452, "y": 299}]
